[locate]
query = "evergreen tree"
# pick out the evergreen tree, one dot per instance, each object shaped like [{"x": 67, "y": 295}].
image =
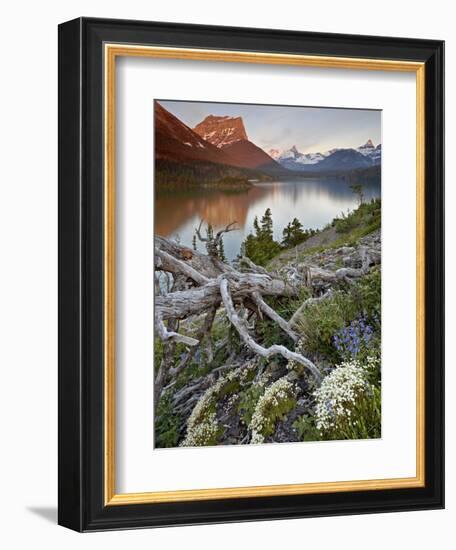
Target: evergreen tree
[
  {"x": 266, "y": 224},
  {"x": 293, "y": 234},
  {"x": 261, "y": 247},
  {"x": 194, "y": 242},
  {"x": 221, "y": 251},
  {"x": 256, "y": 226}
]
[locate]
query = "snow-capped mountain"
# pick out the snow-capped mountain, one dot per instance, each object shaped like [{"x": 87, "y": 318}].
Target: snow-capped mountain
[
  {"x": 221, "y": 130},
  {"x": 334, "y": 159},
  {"x": 294, "y": 159},
  {"x": 369, "y": 150},
  {"x": 274, "y": 153}
]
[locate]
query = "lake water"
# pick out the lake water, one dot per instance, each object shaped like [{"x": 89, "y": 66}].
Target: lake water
[{"x": 315, "y": 202}]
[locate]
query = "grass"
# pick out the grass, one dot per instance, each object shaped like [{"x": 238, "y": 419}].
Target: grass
[
  {"x": 322, "y": 320},
  {"x": 349, "y": 229}
]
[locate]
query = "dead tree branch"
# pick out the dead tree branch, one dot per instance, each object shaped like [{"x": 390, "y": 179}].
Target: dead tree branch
[
  {"x": 274, "y": 316},
  {"x": 250, "y": 342},
  {"x": 213, "y": 242},
  {"x": 205, "y": 331}
]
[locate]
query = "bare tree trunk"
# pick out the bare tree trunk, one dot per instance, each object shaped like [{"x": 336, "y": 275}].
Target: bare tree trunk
[
  {"x": 240, "y": 326},
  {"x": 205, "y": 283}
]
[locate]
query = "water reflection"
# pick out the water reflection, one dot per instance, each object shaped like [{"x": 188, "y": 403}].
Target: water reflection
[{"x": 315, "y": 202}]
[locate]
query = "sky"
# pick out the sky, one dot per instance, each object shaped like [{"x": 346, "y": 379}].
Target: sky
[{"x": 311, "y": 129}]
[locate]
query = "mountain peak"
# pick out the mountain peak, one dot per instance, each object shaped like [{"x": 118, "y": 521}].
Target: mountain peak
[
  {"x": 274, "y": 153},
  {"x": 221, "y": 130},
  {"x": 369, "y": 144}
]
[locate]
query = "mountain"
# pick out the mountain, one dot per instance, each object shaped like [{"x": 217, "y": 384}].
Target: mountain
[
  {"x": 274, "y": 153},
  {"x": 174, "y": 141},
  {"x": 293, "y": 159},
  {"x": 218, "y": 148},
  {"x": 343, "y": 160},
  {"x": 229, "y": 135},
  {"x": 221, "y": 130},
  {"x": 369, "y": 150},
  {"x": 333, "y": 160},
  {"x": 248, "y": 155},
  {"x": 182, "y": 155}
]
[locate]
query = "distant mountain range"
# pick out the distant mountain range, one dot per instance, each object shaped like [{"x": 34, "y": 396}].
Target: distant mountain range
[
  {"x": 219, "y": 147},
  {"x": 333, "y": 160}
]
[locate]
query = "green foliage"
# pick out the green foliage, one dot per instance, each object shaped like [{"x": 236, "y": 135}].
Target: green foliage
[
  {"x": 260, "y": 247},
  {"x": 293, "y": 234},
  {"x": 158, "y": 353},
  {"x": 306, "y": 429},
  {"x": 366, "y": 218},
  {"x": 276, "y": 402},
  {"x": 266, "y": 224},
  {"x": 348, "y": 401},
  {"x": 221, "y": 251},
  {"x": 248, "y": 400},
  {"x": 268, "y": 332},
  {"x": 365, "y": 421},
  {"x": 173, "y": 175},
  {"x": 203, "y": 427},
  {"x": 167, "y": 423},
  {"x": 370, "y": 293},
  {"x": 321, "y": 321}
]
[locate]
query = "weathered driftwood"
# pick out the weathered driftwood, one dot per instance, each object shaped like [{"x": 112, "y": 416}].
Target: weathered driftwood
[
  {"x": 274, "y": 316},
  {"x": 206, "y": 284},
  {"x": 275, "y": 349},
  {"x": 195, "y": 301},
  {"x": 212, "y": 244},
  {"x": 319, "y": 278},
  {"x": 204, "y": 331}
]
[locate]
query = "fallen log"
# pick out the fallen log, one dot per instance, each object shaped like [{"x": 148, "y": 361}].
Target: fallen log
[{"x": 203, "y": 289}]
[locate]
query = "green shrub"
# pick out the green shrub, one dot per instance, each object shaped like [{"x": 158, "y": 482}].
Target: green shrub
[
  {"x": 203, "y": 428},
  {"x": 370, "y": 291},
  {"x": 247, "y": 402},
  {"x": 276, "y": 402},
  {"x": 166, "y": 423},
  {"x": 306, "y": 428},
  {"x": 321, "y": 320},
  {"x": 366, "y": 216},
  {"x": 348, "y": 404},
  {"x": 269, "y": 332}
]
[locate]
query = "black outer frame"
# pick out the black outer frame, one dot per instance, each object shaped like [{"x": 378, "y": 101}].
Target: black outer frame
[{"x": 81, "y": 453}]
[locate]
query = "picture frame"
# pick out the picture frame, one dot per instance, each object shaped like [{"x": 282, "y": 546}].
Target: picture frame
[{"x": 88, "y": 50}]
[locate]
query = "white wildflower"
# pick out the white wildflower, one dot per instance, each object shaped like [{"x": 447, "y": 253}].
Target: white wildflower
[
  {"x": 202, "y": 425},
  {"x": 271, "y": 405},
  {"x": 340, "y": 390}
]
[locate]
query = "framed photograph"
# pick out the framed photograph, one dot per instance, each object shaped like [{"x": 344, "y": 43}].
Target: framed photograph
[{"x": 251, "y": 282}]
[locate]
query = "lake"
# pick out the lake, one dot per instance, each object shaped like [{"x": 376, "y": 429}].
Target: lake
[{"x": 314, "y": 201}]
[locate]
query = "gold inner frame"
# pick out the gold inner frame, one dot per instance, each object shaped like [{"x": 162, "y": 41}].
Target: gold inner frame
[{"x": 111, "y": 52}]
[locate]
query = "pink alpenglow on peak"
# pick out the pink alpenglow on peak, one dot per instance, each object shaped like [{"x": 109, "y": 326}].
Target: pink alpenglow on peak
[{"x": 221, "y": 130}]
